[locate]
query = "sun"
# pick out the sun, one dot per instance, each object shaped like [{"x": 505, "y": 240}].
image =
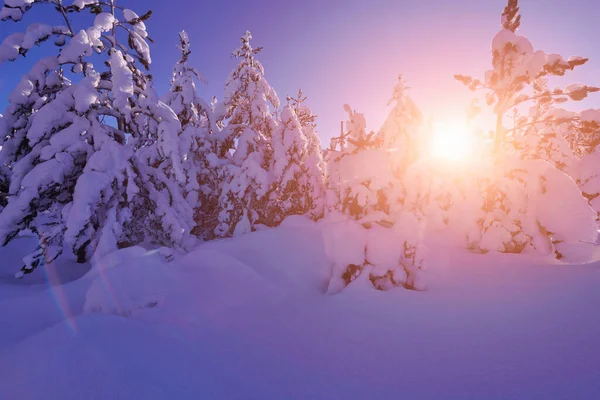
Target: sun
[{"x": 451, "y": 141}]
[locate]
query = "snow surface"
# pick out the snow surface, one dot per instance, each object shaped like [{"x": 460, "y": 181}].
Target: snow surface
[{"x": 248, "y": 318}]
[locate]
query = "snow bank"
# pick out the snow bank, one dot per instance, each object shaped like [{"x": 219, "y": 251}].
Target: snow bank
[
  {"x": 579, "y": 222},
  {"x": 232, "y": 313},
  {"x": 129, "y": 280}
]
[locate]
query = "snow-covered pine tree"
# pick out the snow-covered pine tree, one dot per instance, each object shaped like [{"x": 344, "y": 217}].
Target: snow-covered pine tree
[
  {"x": 314, "y": 163},
  {"x": 409, "y": 196},
  {"x": 40, "y": 133},
  {"x": 513, "y": 222},
  {"x": 200, "y": 140},
  {"x": 182, "y": 96},
  {"x": 298, "y": 182},
  {"x": 366, "y": 182},
  {"x": 366, "y": 170},
  {"x": 516, "y": 67},
  {"x": 20, "y": 153},
  {"x": 364, "y": 185},
  {"x": 75, "y": 176},
  {"x": 417, "y": 188},
  {"x": 249, "y": 111},
  {"x": 308, "y": 123},
  {"x": 401, "y": 130},
  {"x": 359, "y": 170},
  {"x": 160, "y": 213}
]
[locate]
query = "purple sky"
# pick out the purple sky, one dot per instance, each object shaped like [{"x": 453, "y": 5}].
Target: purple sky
[{"x": 352, "y": 51}]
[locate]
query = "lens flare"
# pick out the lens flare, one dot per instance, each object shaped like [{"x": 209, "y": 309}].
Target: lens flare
[{"x": 58, "y": 293}]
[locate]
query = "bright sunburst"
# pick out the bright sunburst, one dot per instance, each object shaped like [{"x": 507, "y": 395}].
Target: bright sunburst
[{"x": 451, "y": 142}]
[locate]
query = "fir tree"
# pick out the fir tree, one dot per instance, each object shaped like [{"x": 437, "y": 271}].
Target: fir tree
[
  {"x": 401, "y": 129},
  {"x": 528, "y": 153},
  {"x": 298, "y": 177},
  {"x": 516, "y": 66},
  {"x": 249, "y": 110},
  {"x": 77, "y": 179},
  {"x": 200, "y": 140},
  {"x": 359, "y": 170}
]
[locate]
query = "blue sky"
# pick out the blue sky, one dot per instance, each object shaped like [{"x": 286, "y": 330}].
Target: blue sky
[{"x": 352, "y": 51}]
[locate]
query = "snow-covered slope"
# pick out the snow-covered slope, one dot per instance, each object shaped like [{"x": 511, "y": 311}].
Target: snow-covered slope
[{"x": 247, "y": 318}]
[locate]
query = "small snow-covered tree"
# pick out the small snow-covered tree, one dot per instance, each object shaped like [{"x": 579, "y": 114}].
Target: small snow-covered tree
[
  {"x": 314, "y": 163},
  {"x": 307, "y": 121},
  {"x": 182, "y": 96},
  {"x": 401, "y": 130},
  {"x": 383, "y": 194},
  {"x": 359, "y": 170},
  {"x": 297, "y": 184},
  {"x": 249, "y": 111},
  {"x": 72, "y": 147},
  {"x": 366, "y": 170}
]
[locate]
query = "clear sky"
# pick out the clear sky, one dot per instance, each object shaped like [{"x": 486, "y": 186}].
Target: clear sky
[{"x": 352, "y": 51}]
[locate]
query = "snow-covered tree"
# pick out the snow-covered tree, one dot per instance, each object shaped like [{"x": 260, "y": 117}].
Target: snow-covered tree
[
  {"x": 522, "y": 174},
  {"x": 368, "y": 181},
  {"x": 77, "y": 150},
  {"x": 314, "y": 163},
  {"x": 249, "y": 109},
  {"x": 297, "y": 186},
  {"x": 367, "y": 170},
  {"x": 402, "y": 129},
  {"x": 307, "y": 121},
  {"x": 200, "y": 140},
  {"x": 516, "y": 67},
  {"x": 182, "y": 96},
  {"x": 359, "y": 170}
]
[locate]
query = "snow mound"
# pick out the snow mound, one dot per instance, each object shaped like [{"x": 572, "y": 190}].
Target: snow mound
[
  {"x": 140, "y": 283},
  {"x": 203, "y": 279},
  {"x": 290, "y": 257},
  {"x": 345, "y": 242},
  {"x": 128, "y": 281}
]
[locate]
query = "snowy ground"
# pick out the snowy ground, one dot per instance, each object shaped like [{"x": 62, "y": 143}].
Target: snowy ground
[{"x": 231, "y": 320}]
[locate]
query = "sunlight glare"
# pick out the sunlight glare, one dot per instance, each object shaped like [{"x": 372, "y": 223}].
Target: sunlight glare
[{"x": 451, "y": 142}]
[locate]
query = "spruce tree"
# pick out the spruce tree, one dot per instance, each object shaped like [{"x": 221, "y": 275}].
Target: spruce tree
[
  {"x": 297, "y": 187},
  {"x": 87, "y": 155},
  {"x": 526, "y": 155},
  {"x": 249, "y": 112},
  {"x": 200, "y": 139}
]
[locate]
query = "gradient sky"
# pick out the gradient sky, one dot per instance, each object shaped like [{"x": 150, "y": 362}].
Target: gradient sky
[{"x": 352, "y": 51}]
